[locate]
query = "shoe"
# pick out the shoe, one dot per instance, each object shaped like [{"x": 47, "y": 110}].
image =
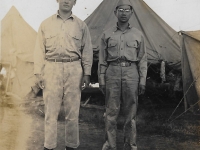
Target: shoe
[
  {"x": 47, "y": 148},
  {"x": 69, "y": 148},
  {"x": 127, "y": 146}
]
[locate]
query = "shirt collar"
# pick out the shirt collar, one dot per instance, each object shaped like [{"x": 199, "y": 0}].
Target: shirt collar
[
  {"x": 70, "y": 17},
  {"x": 117, "y": 27}
]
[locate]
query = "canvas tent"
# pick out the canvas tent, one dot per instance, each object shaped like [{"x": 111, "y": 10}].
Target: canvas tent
[
  {"x": 190, "y": 45},
  {"x": 18, "y": 39},
  {"x": 17, "y": 45},
  {"x": 162, "y": 41}
]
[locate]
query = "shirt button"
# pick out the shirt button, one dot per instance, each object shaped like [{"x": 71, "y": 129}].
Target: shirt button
[
  {"x": 122, "y": 41},
  {"x": 121, "y": 48}
]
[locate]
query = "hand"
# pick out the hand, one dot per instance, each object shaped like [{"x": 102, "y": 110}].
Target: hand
[
  {"x": 103, "y": 89},
  {"x": 39, "y": 81},
  {"x": 86, "y": 80},
  {"x": 141, "y": 89}
]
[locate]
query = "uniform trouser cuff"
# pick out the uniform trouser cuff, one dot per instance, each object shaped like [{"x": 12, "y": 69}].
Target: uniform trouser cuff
[
  {"x": 52, "y": 146},
  {"x": 72, "y": 145}
]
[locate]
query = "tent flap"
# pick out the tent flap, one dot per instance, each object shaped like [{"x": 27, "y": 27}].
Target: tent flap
[{"x": 190, "y": 66}]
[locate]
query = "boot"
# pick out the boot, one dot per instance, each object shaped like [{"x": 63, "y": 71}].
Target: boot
[
  {"x": 47, "y": 148},
  {"x": 127, "y": 146},
  {"x": 69, "y": 148}
]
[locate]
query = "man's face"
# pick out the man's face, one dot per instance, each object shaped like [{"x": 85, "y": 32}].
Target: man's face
[
  {"x": 123, "y": 13},
  {"x": 66, "y": 5}
]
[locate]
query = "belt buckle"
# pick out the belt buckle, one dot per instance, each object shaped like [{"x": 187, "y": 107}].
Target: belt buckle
[
  {"x": 58, "y": 61},
  {"x": 123, "y": 64}
]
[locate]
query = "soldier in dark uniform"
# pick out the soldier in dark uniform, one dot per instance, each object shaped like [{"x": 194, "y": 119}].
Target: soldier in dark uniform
[{"x": 122, "y": 72}]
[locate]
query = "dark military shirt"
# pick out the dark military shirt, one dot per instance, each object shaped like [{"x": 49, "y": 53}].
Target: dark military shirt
[{"x": 128, "y": 45}]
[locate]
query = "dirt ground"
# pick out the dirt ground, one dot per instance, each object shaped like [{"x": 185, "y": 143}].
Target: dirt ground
[{"x": 22, "y": 128}]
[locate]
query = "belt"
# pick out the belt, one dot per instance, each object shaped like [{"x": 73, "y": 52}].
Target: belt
[
  {"x": 122, "y": 63},
  {"x": 64, "y": 60}
]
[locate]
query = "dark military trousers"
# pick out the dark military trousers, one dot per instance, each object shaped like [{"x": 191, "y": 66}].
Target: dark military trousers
[
  {"x": 121, "y": 89},
  {"x": 62, "y": 83}
]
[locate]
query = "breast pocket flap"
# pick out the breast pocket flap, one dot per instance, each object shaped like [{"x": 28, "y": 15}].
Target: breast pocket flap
[
  {"x": 112, "y": 43},
  {"x": 49, "y": 35},
  {"x": 76, "y": 36},
  {"x": 132, "y": 44}
]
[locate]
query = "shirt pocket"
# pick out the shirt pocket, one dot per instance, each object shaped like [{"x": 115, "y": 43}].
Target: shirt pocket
[
  {"x": 132, "y": 50},
  {"x": 112, "y": 49},
  {"x": 75, "y": 39},
  {"x": 51, "y": 40}
]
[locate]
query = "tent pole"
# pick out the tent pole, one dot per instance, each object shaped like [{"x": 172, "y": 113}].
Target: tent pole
[
  {"x": 181, "y": 42},
  {"x": 185, "y": 103}
]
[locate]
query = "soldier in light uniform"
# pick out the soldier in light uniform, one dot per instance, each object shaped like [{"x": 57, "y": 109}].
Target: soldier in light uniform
[
  {"x": 122, "y": 75},
  {"x": 62, "y": 62}
]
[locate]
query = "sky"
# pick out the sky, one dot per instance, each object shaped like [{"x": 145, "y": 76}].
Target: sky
[{"x": 179, "y": 14}]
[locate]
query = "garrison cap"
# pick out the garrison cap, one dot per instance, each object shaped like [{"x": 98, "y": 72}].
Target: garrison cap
[{"x": 124, "y": 2}]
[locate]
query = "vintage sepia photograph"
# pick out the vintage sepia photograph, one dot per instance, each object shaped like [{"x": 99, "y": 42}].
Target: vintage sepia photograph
[{"x": 100, "y": 75}]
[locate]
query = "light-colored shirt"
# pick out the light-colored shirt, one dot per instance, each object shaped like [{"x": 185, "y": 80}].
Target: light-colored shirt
[
  {"x": 128, "y": 45},
  {"x": 61, "y": 39}
]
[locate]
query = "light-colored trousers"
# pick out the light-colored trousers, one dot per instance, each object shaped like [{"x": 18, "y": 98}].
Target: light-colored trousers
[
  {"x": 121, "y": 89},
  {"x": 62, "y": 82}
]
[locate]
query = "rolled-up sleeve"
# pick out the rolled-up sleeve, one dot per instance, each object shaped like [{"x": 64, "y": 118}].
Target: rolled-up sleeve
[
  {"x": 87, "y": 52},
  {"x": 39, "y": 52},
  {"x": 142, "y": 65},
  {"x": 103, "y": 65}
]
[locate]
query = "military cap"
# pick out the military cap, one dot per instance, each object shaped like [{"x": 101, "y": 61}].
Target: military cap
[{"x": 124, "y": 2}]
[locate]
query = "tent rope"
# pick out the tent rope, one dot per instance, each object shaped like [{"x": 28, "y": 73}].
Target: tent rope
[
  {"x": 172, "y": 39},
  {"x": 155, "y": 59},
  {"x": 184, "y": 111},
  {"x": 182, "y": 100},
  {"x": 154, "y": 51}
]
